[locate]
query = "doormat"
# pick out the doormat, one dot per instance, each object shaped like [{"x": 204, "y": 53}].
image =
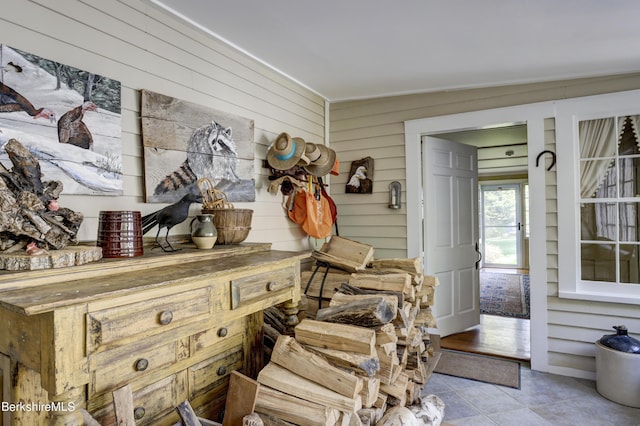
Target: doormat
[
  {"x": 482, "y": 368},
  {"x": 505, "y": 295}
]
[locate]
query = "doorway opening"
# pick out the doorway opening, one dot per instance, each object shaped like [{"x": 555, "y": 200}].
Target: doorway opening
[
  {"x": 504, "y": 236},
  {"x": 534, "y": 116}
]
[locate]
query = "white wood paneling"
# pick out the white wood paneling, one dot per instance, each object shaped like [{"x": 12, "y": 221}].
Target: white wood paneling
[
  {"x": 374, "y": 128},
  {"x": 144, "y": 48}
]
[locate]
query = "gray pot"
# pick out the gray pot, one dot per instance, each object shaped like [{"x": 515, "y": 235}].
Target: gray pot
[{"x": 618, "y": 369}]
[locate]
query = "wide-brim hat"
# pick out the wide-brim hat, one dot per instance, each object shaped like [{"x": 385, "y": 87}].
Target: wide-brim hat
[
  {"x": 285, "y": 152},
  {"x": 324, "y": 163}
]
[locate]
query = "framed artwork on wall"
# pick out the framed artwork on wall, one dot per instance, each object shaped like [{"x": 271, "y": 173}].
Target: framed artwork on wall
[
  {"x": 184, "y": 142},
  {"x": 360, "y": 179},
  {"x": 69, "y": 119}
]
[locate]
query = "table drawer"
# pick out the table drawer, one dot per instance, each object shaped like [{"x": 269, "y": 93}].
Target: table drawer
[
  {"x": 218, "y": 336},
  {"x": 151, "y": 403},
  {"x": 144, "y": 318},
  {"x": 247, "y": 290},
  {"x": 117, "y": 367},
  {"x": 204, "y": 375}
]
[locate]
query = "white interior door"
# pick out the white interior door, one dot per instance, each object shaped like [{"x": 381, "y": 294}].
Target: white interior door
[{"x": 450, "y": 194}]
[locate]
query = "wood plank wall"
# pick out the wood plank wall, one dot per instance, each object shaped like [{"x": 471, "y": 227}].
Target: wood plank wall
[
  {"x": 144, "y": 48},
  {"x": 375, "y": 128}
]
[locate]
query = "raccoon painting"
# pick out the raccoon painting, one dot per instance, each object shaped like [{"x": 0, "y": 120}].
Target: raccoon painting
[{"x": 211, "y": 152}]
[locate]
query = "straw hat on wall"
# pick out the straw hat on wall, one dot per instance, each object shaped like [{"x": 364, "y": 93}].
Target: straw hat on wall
[{"x": 285, "y": 152}]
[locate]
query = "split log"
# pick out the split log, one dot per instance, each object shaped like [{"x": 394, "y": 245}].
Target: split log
[
  {"x": 341, "y": 299},
  {"x": 271, "y": 335},
  {"x": 268, "y": 420},
  {"x": 400, "y": 282},
  {"x": 387, "y": 363},
  {"x": 336, "y": 336},
  {"x": 414, "y": 339},
  {"x": 295, "y": 410},
  {"x": 88, "y": 418},
  {"x": 347, "y": 288},
  {"x": 386, "y": 334},
  {"x": 365, "y": 313},
  {"x": 426, "y": 295},
  {"x": 276, "y": 319},
  {"x": 344, "y": 254},
  {"x": 381, "y": 401},
  {"x": 187, "y": 415},
  {"x": 398, "y": 416},
  {"x": 398, "y": 388},
  {"x": 291, "y": 355},
  {"x": 123, "y": 406},
  {"x": 387, "y": 348},
  {"x": 362, "y": 364},
  {"x": 370, "y": 391},
  {"x": 431, "y": 281},
  {"x": 367, "y": 416},
  {"x": 333, "y": 281},
  {"x": 279, "y": 378},
  {"x": 412, "y": 265},
  {"x": 241, "y": 398},
  {"x": 425, "y": 318}
]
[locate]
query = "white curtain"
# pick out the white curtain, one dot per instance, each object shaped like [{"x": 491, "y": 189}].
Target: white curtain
[{"x": 597, "y": 140}]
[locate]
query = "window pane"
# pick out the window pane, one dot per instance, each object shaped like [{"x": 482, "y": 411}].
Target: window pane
[
  {"x": 500, "y": 246},
  {"x": 629, "y": 222},
  {"x": 598, "y": 179},
  {"x": 597, "y": 138},
  {"x": 628, "y": 167},
  {"x": 500, "y": 207},
  {"x": 598, "y": 262},
  {"x": 629, "y": 264},
  {"x": 598, "y": 221}
]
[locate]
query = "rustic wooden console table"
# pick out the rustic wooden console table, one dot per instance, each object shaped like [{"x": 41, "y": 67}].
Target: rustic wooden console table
[{"x": 173, "y": 326}]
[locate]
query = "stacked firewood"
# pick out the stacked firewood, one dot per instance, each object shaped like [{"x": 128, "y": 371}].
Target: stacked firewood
[{"x": 363, "y": 344}]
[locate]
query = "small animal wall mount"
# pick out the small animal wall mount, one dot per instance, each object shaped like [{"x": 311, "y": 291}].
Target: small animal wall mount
[
  {"x": 184, "y": 142},
  {"x": 360, "y": 179},
  {"x": 68, "y": 118}
]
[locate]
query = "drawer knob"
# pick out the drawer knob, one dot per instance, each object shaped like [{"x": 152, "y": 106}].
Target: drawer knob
[
  {"x": 139, "y": 413},
  {"x": 141, "y": 364},
  {"x": 166, "y": 317},
  {"x": 222, "y": 371},
  {"x": 222, "y": 332},
  {"x": 271, "y": 286}
]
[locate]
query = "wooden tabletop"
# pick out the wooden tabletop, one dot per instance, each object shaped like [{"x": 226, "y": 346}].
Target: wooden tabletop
[{"x": 34, "y": 292}]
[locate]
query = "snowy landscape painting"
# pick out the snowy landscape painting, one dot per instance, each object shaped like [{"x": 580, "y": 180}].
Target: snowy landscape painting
[{"x": 69, "y": 119}]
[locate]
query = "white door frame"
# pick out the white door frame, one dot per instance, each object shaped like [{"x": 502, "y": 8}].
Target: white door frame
[{"x": 533, "y": 115}]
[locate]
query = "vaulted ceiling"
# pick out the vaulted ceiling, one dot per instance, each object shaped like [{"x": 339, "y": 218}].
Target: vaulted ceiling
[{"x": 354, "y": 49}]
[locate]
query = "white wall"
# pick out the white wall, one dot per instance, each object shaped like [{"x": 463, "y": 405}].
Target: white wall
[{"x": 144, "y": 48}]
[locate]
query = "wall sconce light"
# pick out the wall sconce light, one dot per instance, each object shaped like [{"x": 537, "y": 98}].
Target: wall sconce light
[{"x": 395, "y": 195}]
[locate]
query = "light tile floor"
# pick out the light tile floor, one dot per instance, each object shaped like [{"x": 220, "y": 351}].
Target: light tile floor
[{"x": 543, "y": 399}]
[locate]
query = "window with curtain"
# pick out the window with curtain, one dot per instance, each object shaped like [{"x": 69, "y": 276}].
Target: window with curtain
[{"x": 609, "y": 199}]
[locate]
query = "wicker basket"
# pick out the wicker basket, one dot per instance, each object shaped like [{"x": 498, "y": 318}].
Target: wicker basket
[{"x": 233, "y": 225}]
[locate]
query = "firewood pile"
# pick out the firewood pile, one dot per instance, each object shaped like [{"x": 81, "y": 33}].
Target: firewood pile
[{"x": 363, "y": 344}]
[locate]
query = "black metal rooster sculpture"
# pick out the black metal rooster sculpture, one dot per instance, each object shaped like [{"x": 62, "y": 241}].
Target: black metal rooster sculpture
[{"x": 168, "y": 217}]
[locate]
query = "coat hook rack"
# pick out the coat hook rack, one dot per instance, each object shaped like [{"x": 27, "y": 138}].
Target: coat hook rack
[{"x": 553, "y": 158}]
